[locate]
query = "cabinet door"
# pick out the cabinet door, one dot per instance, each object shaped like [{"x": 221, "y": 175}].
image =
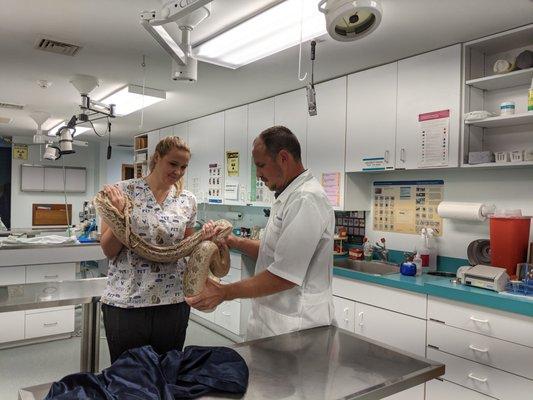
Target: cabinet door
[
  {"x": 164, "y": 132},
  {"x": 153, "y": 139},
  {"x": 53, "y": 179},
  {"x": 291, "y": 111},
  {"x": 12, "y": 326},
  {"x": 236, "y": 141},
  {"x": 228, "y": 316},
  {"x": 206, "y": 140},
  {"x": 76, "y": 180},
  {"x": 371, "y": 119},
  {"x": 260, "y": 117},
  {"x": 32, "y": 178},
  {"x": 182, "y": 131},
  {"x": 12, "y": 275},
  {"x": 437, "y": 389},
  {"x": 344, "y": 313},
  {"x": 326, "y": 132},
  {"x": 398, "y": 330},
  {"x": 427, "y": 83}
]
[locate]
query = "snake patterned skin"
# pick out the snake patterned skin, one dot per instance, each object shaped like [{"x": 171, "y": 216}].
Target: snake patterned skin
[{"x": 204, "y": 255}]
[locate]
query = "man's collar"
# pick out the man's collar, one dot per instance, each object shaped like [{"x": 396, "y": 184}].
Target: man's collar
[{"x": 293, "y": 184}]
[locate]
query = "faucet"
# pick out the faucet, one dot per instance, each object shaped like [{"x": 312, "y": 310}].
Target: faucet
[{"x": 381, "y": 250}]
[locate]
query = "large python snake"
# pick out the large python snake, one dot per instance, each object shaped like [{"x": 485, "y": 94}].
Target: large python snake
[{"x": 204, "y": 255}]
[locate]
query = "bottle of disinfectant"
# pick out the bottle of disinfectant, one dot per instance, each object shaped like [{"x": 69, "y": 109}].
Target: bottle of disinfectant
[{"x": 428, "y": 250}]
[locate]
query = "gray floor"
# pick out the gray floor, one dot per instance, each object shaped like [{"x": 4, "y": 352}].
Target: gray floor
[{"x": 40, "y": 363}]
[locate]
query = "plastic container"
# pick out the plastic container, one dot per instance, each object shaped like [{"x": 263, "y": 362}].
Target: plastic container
[
  {"x": 368, "y": 249},
  {"x": 408, "y": 268},
  {"x": 417, "y": 260},
  {"x": 507, "y": 108},
  {"x": 509, "y": 238}
]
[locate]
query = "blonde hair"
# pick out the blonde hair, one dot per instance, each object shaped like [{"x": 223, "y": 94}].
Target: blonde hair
[{"x": 164, "y": 146}]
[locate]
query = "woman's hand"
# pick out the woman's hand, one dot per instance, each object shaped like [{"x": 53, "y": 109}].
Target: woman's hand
[
  {"x": 116, "y": 197},
  {"x": 210, "y": 230}
]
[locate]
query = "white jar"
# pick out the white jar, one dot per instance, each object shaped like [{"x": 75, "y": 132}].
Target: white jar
[{"x": 507, "y": 108}]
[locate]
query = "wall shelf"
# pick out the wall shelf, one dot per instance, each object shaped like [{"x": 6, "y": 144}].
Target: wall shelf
[
  {"x": 499, "y": 165},
  {"x": 495, "y": 82},
  {"x": 501, "y": 121}
]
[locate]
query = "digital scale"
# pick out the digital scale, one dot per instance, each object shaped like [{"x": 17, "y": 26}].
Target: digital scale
[{"x": 485, "y": 277}]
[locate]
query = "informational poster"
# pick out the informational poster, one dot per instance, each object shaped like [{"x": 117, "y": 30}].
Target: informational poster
[
  {"x": 434, "y": 138},
  {"x": 331, "y": 181},
  {"x": 215, "y": 183},
  {"x": 232, "y": 162},
  {"x": 407, "y": 206},
  {"x": 20, "y": 151},
  {"x": 259, "y": 191}
]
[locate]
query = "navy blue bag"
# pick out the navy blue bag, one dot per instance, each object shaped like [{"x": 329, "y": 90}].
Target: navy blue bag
[{"x": 141, "y": 373}]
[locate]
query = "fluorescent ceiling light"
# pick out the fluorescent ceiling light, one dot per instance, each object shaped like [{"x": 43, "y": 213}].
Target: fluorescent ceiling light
[
  {"x": 132, "y": 98},
  {"x": 170, "y": 42},
  {"x": 79, "y": 129},
  {"x": 276, "y": 29}
]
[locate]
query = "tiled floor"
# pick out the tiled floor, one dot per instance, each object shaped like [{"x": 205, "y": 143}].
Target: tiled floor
[{"x": 40, "y": 363}]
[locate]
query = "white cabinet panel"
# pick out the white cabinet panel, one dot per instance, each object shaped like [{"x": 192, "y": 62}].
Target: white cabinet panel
[
  {"x": 234, "y": 275},
  {"x": 12, "y": 275},
  {"x": 32, "y": 178},
  {"x": 499, "y": 324},
  {"x": 49, "y": 323},
  {"x": 228, "y": 316},
  {"x": 50, "y": 272},
  {"x": 344, "y": 313},
  {"x": 76, "y": 180},
  {"x": 490, "y": 381},
  {"x": 291, "y": 112},
  {"x": 164, "y": 132},
  {"x": 182, "y": 131},
  {"x": 397, "y": 300},
  {"x": 482, "y": 349},
  {"x": 202, "y": 131},
  {"x": 415, "y": 393},
  {"x": 398, "y": 330},
  {"x": 326, "y": 133},
  {"x": 426, "y": 83},
  {"x": 11, "y": 326},
  {"x": 444, "y": 390},
  {"x": 235, "y": 260},
  {"x": 210, "y": 316},
  {"x": 53, "y": 179},
  {"x": 236, "y": 140},
  {"x": 371, "y": 119},
  {"x": 153, "y": 139}
]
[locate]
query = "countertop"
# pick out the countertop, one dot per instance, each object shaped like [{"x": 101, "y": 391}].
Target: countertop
[{"x": 443, "y": 287}]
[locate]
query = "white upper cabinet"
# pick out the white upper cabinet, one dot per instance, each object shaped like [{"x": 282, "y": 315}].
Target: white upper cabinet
[
  {"x": 182, "y": 131},
  {"x": 153, "y": 139},
  {"x": 237, "y": 174},
  {"x": 260, "y": 117},
  {"x": 428, "y": 83},
  {"x": 206, "y": 140},
  {"x": 164, "y": 132},
  {"x": 371, "y": 119},
  {"x": 291, "y": 111},
  {"x": 326, "y": 133}
]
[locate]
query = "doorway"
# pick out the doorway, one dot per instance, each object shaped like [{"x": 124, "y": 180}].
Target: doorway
[
  {"x": 5, "y": 183},
  {"x": 127, "y": 172}
]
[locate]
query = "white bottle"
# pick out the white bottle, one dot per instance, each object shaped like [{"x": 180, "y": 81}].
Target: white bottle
[
  {"x": 431, "y": 244},
  {"x": 417, "y": 260}
]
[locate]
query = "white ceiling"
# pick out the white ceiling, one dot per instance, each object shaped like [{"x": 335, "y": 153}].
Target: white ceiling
[{"x": 113, "y": 44}]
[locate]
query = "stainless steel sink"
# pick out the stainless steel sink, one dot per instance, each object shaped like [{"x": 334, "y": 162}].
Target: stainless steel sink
[{"x": 369, "y": 267}]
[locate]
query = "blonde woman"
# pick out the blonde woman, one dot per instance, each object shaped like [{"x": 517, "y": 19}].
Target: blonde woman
[{"x": 143, "y": 303}]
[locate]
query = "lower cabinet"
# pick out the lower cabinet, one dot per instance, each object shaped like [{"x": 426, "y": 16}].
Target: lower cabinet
[
  {"x": 437, "y": 389},
  {"x": 49, "y": 323},
  {"x": 228, "y": 316},
  {"x": 11, "y": 326}
]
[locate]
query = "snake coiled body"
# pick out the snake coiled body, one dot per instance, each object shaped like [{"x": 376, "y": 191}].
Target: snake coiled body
[{"x": 204, "y": 255}]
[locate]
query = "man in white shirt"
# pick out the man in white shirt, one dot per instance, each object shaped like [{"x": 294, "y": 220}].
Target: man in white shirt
[{"x": 291, "y": 288}]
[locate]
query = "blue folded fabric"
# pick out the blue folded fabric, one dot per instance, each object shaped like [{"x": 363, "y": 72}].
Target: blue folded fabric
[{"x": 141, "y": 373}]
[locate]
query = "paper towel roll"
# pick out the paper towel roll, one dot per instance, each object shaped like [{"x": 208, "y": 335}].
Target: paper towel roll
[{"x": 464, "y": 211}]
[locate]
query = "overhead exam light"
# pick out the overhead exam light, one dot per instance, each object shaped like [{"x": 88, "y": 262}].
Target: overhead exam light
[
  {"x": 269, "y": 32},
  {"x": 348, "y": 20},
  {"x": 52, "y": 152},
  {"x": 40, "y": 117},
  {"x": 131, "y": 98},
  {"x": 55, "y": 129}
]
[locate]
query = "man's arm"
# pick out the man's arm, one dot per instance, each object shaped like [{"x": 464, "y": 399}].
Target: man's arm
[
  {"x": 247, "y": 246},
  {"x": 262, "y": 284}
]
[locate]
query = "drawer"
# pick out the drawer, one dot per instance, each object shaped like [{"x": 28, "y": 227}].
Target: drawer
[
  {"x": 11, "y": 326},
  {"x": 12, "y": 275},
  {"x": 228, "y": 316},
  {"x": 344, "y": 313},
  {"x": 50, "y": 272},
  {"x": 487, "y": 380},
  {"x": 49, "y": 323},
  {"x": 234, "y": 275},
  {"x": 515, "y": 328},
  {"x": 437, "y": 389},
  {"x": 41, "y": 310},
  {"x": 497, "y": 353},
  {"x": 415, "y": 393},
  {"x": 208, "y": 316},
  {"x": 397, "y": 330},
  {"x": 235, "y": 260},
  {"x": 380, "y": 296}
]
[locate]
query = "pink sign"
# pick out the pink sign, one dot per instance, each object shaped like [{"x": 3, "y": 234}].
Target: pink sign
[{"x": 434, "y": 115}]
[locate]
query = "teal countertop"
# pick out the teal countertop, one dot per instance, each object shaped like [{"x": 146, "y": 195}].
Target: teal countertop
[{"x": 443, "y": 287}]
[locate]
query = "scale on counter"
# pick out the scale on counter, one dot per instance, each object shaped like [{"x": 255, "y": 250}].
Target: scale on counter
[{"x": 486, "y": 277}]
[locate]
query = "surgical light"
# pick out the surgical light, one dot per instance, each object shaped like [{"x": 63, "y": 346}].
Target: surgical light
[
  {"x": 79, "y": 129},
  {"x": 269, "y": 32},
  {"x": 51, "y": 152},
  {"x": 132, "y": 98},
  {"x": 65, "y": 141},
  {"x": 348, "y": 20}
]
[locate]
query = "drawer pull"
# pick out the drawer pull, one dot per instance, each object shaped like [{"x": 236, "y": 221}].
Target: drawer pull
[
  {"x": 472, "y": 347},
  {"x": 472, "y": 376},
  {"x": 482, "y": 321},
  {"x": 227, "y": 314},
  {"x": 47, "y": 325},
  {"x": 361, "y": 315},
  {"x": 51, "y": 276}
]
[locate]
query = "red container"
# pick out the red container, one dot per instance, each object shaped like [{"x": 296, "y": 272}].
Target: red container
[{"x": 509, "y": 238}]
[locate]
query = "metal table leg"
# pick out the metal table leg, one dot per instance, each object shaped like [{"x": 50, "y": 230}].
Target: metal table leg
[{"x": 90, "y": 337}]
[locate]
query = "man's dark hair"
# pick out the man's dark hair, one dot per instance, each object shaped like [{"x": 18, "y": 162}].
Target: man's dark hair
[{"x": 280, "y": 138}]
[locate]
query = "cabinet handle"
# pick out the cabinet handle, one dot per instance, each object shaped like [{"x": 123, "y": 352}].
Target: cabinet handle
[
  {"x": 387, "y": 156},
  {"x": 51, "y": 276},
  {"x": 227, "y": 314},
  {"x": 361, "y": 315},
  {"x": 472, "y": 376},
  {"x": 483, "y": 321},
  {"x": 472, "y": 347},
  {"x": 402, "y": 155},
  {"x": 47, "y": 325}
]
